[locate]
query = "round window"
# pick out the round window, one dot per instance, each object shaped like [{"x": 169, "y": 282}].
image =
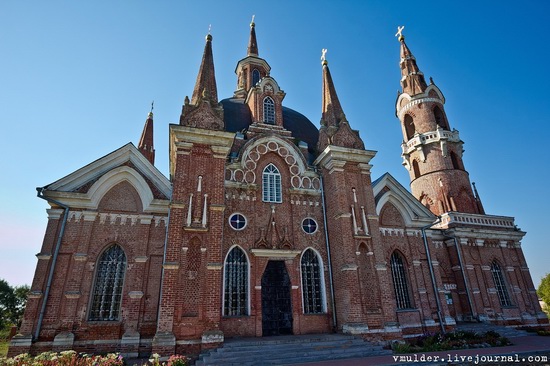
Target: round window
[
  {"x": 237, "y": 221},
  {"x": 309, "y": 225}
]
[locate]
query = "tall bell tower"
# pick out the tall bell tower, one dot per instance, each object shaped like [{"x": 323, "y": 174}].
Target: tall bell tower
[{"x": 431, "y": 150}]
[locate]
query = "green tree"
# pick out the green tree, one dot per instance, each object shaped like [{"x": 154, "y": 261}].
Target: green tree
[
  {"x": 544, "y": 289},
  {"x": 12, "y": 303}
]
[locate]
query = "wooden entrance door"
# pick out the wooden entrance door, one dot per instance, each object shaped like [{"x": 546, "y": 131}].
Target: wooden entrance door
[{"x": 276, "y": 300}]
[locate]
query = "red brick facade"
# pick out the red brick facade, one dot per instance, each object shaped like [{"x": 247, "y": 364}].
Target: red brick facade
[{"x": 351, "y": 253}]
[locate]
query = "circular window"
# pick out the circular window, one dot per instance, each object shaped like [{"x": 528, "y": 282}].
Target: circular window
[
  {"x": 237, "y": 221},
  {"x": 309, "y": 225}
]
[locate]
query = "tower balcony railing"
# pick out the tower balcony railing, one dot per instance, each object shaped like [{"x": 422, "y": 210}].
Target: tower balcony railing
[
  {"x": 466, "y": 219},
  {"x": 428, "y": 138}
]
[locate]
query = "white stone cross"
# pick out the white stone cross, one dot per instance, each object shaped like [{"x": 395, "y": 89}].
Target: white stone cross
[{"x": 399, "y": 30}]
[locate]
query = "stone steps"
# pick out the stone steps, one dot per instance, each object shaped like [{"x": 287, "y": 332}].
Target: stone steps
[{"x": 287, "y": 350}]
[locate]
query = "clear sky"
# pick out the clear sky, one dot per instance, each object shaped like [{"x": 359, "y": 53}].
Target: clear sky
[{"x": 77, "y": 79}]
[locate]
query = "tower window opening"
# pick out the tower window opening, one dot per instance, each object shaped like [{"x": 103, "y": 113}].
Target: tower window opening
[
  {"x": 271, "y": 184},
  {"x": 440, "y": 118},
  {"x": 416, "y": 169},
  {"x": 107, "y": 292},
  {"x": 456, "y": 161},
  {"x": 269, "y": 111},
  {"x": 236, "y": 283},
  {"x": 409, "y": 126},
  {"x": 500, "y": 285},
  {"x": 400, "y": 283},
  {"x": 255, "y": 77}
]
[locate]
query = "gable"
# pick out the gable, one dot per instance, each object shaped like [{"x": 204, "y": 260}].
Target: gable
[
  {"x": 86, "y": 187},
  {"x": 388, "y": 190}
]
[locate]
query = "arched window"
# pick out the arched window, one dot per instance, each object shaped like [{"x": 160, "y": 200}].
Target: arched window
[
  {"x": 400, "y": 283},
  {"x": 271, "y": 184},
  {"x": 416, "y": 169},
  {"x": 440, "y": 118},
  {"x": 255, "y": 77},
  {"x": 409, "y": 126},
  {"x": 109, "y": 278},
  {"x": 312, "y": 291},
  {"x": 235, "y": 294},
  {"x": 269, "y": 111},
  {"x": 500, "y": 285}
]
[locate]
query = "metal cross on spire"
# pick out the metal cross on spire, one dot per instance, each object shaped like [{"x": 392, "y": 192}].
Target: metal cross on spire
[
  {"x": 252, "y": 19},
  {"x": 152, "y": 106}
]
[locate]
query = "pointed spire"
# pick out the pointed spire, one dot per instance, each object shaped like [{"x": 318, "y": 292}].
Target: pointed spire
[
  {"x": 145, "y": 145},
  {"x": 412, "y": 79},
  {"x": 252, "y": 43},
  {"x": 205, "y": 86},
  {"x": 332, "y": 113}
]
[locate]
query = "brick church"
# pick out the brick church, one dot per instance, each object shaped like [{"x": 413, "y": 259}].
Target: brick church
[{"x": 270, "y": 225}]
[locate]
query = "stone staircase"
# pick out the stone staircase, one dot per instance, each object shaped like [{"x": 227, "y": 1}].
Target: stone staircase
[
  {"x": 286, "y": 350},
  {"x": 508, "y": 332}
]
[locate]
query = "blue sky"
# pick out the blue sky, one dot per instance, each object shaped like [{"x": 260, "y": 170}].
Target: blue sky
[{"x": 77, "y": 79}]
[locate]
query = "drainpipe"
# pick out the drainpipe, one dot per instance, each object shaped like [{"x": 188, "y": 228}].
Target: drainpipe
[
  {"x": 432, "y": 276},
  {"x": 329, "y": 262},
  {"x": 40, "y": 191},
  {"x": 464, "y": 278}
]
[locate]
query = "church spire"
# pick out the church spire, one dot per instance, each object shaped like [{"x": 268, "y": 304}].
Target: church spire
[
  {"x": 335, "y": 129},
  {"x": 412, "y": 79},
  {"x": 145, "y": 145},
  {"x": 205, "y": 86},
  {"x": 332, "y": 113},
  {"x": 252, "y": 43}
]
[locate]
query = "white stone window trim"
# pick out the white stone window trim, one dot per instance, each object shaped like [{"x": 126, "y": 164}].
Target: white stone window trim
[{"x": 316, "y": 225}]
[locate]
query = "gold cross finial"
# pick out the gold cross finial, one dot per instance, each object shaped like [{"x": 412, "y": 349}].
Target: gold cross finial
[{"x": 399, "y": 34}]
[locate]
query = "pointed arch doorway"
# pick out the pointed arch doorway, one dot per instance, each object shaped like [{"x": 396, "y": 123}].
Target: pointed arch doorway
[{"x": 276, "y": 300}]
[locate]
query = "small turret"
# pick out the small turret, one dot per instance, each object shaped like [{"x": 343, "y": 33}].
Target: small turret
[{"x": 145, "y": 145}]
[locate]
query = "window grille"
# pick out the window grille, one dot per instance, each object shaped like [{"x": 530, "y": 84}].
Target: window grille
[
  {"x": 271, "y": 184},
  {"x": 400, "y": 284},
  {"x": 236, "y": 283},
  {"x": 269, "y": 111},
  {"x": 311, "y": 283},
  {"x": 107, "y": 292},
  {"x": 500, "y": 285}
]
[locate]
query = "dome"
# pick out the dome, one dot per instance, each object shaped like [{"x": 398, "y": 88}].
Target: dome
[{"x": 237, "y": 117}]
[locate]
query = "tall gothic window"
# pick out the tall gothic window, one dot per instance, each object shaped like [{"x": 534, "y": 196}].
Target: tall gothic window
[
  {"x": 269, "y": 111},
  {"x": 500, "y": 285},
  {"x": 271, "y": 184},
  {"x": 107, "y": 291},
  {"x": 400, "y": 283},
  {"x": 311, "y": 283},
  {"x": 235, "y": 301},
  {"x": 255, "y": 77}
]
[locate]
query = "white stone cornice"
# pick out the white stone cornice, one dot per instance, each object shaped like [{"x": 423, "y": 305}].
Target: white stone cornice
[
  {"x": 275, "y": 253},
  {"x": 335, "y": 157}
]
